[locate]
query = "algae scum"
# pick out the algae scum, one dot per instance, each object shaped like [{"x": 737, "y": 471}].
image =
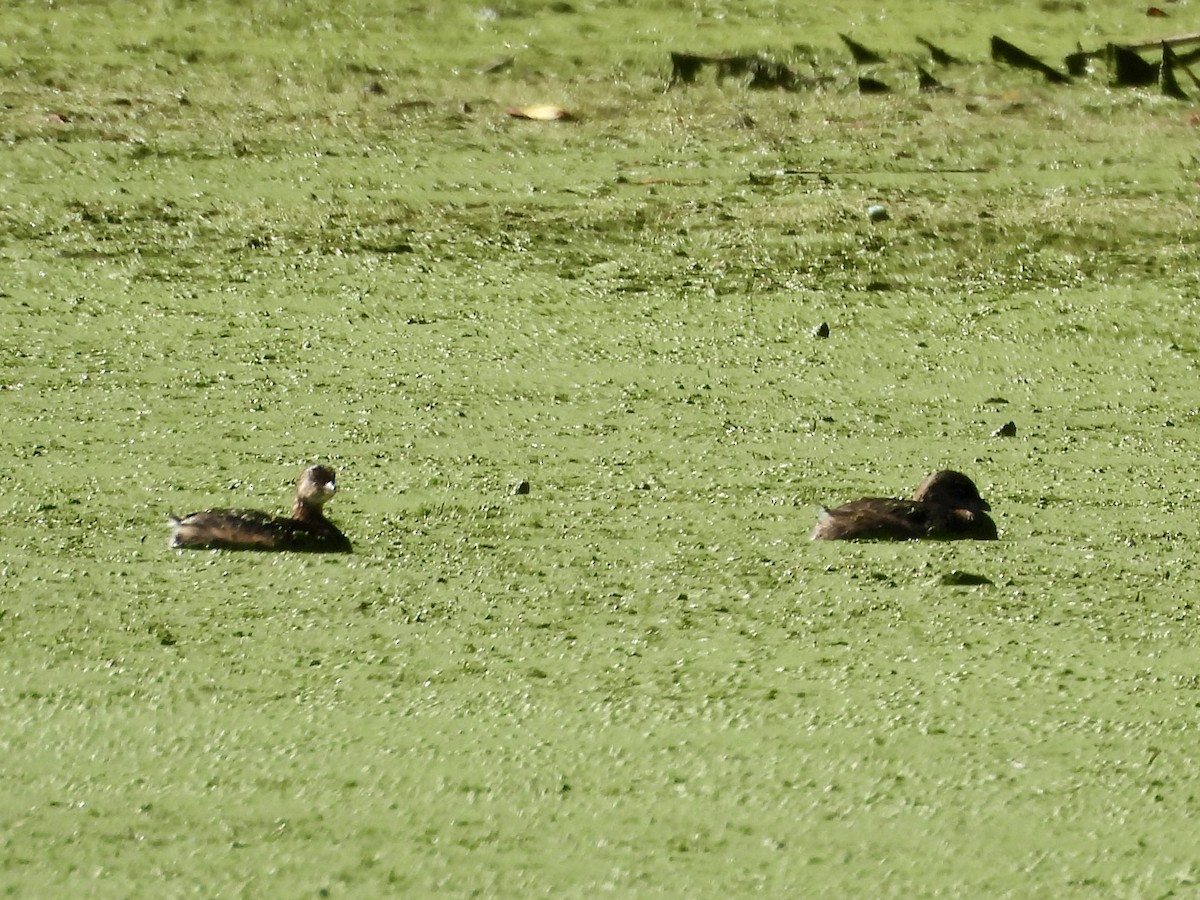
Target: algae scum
[{"x": 237, "y": 242}]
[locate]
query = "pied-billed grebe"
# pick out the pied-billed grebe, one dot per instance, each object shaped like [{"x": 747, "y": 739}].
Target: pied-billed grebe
[
  {"x": 946, "y": 507},
  {"x": 306, "y": 530}
]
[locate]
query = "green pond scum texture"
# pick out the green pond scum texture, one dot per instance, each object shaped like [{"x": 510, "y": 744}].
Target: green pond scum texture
[{"x": 237, "y": 239}]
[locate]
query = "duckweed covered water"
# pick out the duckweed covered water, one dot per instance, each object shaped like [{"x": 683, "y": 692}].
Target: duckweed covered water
[{"x": 239, "y": 241}]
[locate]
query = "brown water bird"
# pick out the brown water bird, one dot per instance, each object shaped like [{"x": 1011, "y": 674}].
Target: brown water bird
[
  {"x": 946, "y": 507},
  {"x": 305, "y": 531}
]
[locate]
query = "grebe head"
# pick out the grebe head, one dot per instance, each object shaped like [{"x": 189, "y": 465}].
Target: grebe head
[
  {"x": 951, "y": 489},
  {"x": 317, "y": 485}
]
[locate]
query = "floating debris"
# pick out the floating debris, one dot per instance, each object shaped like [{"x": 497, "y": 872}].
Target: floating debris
[
  {"x": 1167, "y": 83},
  {"x": 1186, "y": 59},
  {"x": 1003, "y": 51},
  {"x": 1129, "y": 69},
  {"x": 861, "y": 54},
  {"x": 685, "y": 67},
  {"x": 759, "y": 71},
  {"x": 927, "y": 84},
  {"x": 1077, "y": 63},
  {"x": 937, "y": 54},
  {"x": 766, "y": 74}
]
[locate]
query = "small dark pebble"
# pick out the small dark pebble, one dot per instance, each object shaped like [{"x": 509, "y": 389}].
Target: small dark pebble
[
  {"x": 1008, "y": 429},
  {"x": 522, "y": 488},
  {"x": 822, "y": 330}
]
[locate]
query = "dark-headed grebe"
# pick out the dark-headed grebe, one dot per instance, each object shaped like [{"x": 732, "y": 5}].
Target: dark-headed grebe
[
  {"x": 946, "y": 507},
  {"x": 306, "y": 531}
]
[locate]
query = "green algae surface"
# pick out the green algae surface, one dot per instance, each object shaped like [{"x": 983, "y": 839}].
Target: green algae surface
[{"x": 239, "y": 240}]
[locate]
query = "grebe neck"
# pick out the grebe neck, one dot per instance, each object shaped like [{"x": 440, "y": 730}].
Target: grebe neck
[{"x": 304, "y": 511}]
